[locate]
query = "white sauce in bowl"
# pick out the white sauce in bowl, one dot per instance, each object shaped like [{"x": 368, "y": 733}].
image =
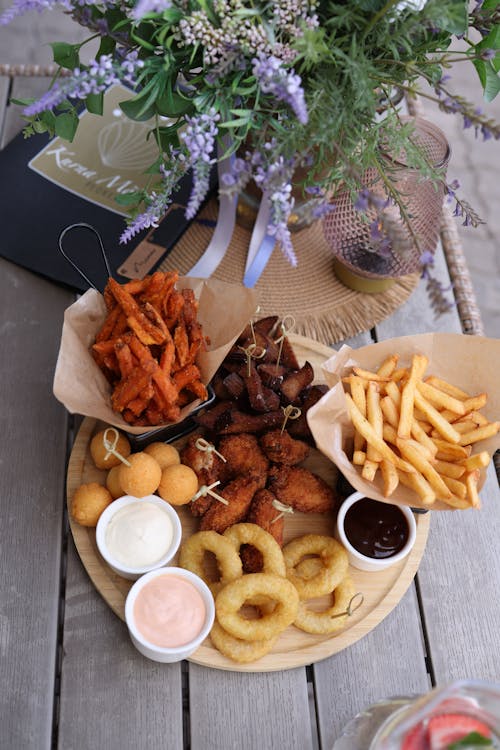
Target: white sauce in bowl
[{"x": 139, "y": 534}]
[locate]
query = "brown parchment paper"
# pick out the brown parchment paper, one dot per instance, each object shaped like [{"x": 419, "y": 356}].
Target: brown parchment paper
[
  {"x": 470, "y": 362},
  {"x": 224, "y": 310}
]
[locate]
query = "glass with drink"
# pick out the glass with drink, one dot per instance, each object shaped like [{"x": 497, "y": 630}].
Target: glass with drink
[{"x": 460, "y": 716}]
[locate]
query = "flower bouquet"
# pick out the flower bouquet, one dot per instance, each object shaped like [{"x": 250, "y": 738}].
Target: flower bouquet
[{"x": 289, "y": 94}]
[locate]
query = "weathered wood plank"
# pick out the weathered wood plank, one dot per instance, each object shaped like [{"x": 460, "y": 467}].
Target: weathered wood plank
[
  {"x": 416, "y": 314},
  {"x": 362, "y": 339},
  {"x": 459, "y": 579},
  {"x": 460, "y": 570},
  {"x": 262, "y": 710},
  {"x": 112, "y": 696},
  {"x": 388, "y": 661},
  {"x": 32, "y": 478}
]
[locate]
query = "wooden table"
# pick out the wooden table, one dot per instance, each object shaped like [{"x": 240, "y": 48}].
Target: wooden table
[{"x": 70, "y": 677}]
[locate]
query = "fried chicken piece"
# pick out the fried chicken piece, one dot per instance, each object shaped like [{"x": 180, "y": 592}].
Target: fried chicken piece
[
  {"x": 301, "y": 489},
  {"x": 264, "y": 514},
  {"x": 207, "y": 466},
  {"x": 281, "y": 448},
  {"x": 244, "y": 456},
  {"x": 239, "y": 494},
  {"x": 299, "y": 428}
]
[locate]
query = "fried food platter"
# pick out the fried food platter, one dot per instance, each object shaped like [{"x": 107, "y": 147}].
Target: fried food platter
[{"x": 381, "y": 591}]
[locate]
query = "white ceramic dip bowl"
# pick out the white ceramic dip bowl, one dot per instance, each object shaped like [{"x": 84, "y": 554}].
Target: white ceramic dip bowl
[
  {"x": 373, "y": 530},
  {"x": 136, "y": 535},
  {"x": 169, "y": 612}
]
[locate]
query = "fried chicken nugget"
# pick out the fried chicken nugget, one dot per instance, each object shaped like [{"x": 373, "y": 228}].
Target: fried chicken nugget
[
  {"x": 264, "y": 514},
  {"x": 281, "y": 448},
  {"x": 207, "y": 466},
  {"x": 239, "y": 494},
  {"x": 301, "y": 489},
  {"x": 244, "y": 456}
]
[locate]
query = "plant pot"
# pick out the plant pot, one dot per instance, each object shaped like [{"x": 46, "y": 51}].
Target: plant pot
[
  {"x": 365, "y": 284},
  {"x": 351, "y": 234}
]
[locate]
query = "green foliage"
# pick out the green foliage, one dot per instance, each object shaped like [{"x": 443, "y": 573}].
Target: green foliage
[
  {"x": 65, "y": 55},
  {"x": 472, "y": 740},
  {"x": 352, "y": 56}
]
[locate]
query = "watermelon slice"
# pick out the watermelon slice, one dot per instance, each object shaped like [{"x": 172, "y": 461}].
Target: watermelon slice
[
  {"x": 445, "y": 729},
  {"x": 416, "y": 739},
  {"x": 442, "y": 731}
]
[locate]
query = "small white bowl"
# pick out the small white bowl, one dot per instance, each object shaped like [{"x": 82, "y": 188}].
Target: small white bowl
[
  {"x": 162, "y": 653},
  {"x": 363, "y": 562},
  {"x": 129, "y": 572}
]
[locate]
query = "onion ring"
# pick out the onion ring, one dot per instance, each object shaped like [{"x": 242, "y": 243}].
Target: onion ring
[
  {"x": 237, "y": 649},
  {"x": 232, "y": 597},
  {"x": 334, "y": 564},
  {"x": 192, "y": 554},
  {"x": 251, "y": 533},
  {"x": 327, "y": 621}
]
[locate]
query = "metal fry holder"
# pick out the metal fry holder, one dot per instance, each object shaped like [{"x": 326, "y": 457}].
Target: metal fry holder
[{"x": 170, "y": 432}]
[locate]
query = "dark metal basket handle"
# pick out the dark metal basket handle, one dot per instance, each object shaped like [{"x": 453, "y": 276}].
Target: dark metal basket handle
[{"x": 83, "y": 225}]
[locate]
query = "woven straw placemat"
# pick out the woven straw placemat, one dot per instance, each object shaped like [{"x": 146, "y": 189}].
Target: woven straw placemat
[{"x": 323, "y": 308}]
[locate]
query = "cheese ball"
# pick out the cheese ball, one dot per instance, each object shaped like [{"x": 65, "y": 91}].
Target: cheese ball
[
  {"x": 113, "y": 482},
  {"x": 142, "y": 477},
  {"x": 165, "y": 454},
  {"x": 178, "y": 484},
  {"x": 98, "y": 451},
  {"x": 89, "y": 501}
]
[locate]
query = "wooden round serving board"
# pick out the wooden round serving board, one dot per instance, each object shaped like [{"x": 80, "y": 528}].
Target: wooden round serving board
[{"x": 381, "y": 591}]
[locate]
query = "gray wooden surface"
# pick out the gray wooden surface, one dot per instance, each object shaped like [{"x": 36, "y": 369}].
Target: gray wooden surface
[{"x": 71, "y": 679}]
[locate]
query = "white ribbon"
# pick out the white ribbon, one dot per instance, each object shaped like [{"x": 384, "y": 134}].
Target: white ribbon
[
  {"x": 261, "y": 243},
  {"x": 213, "y": 255}
]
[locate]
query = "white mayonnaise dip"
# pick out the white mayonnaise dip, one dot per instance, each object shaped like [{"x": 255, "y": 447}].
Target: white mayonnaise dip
[{"x": 139, "y": 535}]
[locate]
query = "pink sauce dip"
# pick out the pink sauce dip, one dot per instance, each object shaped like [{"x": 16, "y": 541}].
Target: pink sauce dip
[{"x": 169, "y": 611}]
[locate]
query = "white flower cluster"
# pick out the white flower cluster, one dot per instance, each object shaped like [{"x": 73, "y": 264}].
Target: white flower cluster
[
  {"x": 291, "y": 14},
  {"x": 234, "y": 35},
  {"x": 240, "y": 34}
]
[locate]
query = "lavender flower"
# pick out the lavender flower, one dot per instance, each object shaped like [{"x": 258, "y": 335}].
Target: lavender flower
[
  {"x": 20, "y": 7},
  {"x": 158, "y": 202},
  {"x": 234, "y": 181},
  {"x": 157, "y": 205},
  {"x": 199, "y": 138},
  {"x": 487, "y": 54},
  {"x": 284, "y": 85},
  {"x": 361, "y": 202},
  {"x": 98, "y": 77},
  {"x": 275, "y": 178},
  {"x": 143, "y": 7}
]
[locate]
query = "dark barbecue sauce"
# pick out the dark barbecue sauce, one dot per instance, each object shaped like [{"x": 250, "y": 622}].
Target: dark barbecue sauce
[{"x": 376, "y": 529}]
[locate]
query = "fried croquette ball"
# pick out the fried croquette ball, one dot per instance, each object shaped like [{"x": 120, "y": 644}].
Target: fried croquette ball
[
  {"x": 98, "y": 451},
  {"x": 142, "y": 477},
  {"x": 165, "y": 454},
  {"x": 113, "y": 482},
  {"x": 178, "y": 484},
  {"x": 89, "y": 501}
]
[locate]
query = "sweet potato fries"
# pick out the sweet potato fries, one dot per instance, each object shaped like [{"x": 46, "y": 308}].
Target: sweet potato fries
[{"x": 147, "y": 348}]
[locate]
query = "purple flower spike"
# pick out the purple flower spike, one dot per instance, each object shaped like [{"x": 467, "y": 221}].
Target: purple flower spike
[
  {"x": 285, "y": 85},
  {"x": 199, "y": 138},
  {"x": 361, "y": 203},
  {"x": 98, "y": 77},
  {"x": 20, "y": 7},
  {"x": 143, "y": 7},
  {"x": 488, "y": 54}
]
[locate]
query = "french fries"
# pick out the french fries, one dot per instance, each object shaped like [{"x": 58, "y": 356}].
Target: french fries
[
  {"x": 419, "y": 431},
  {"x": 147, "y": 348}
]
